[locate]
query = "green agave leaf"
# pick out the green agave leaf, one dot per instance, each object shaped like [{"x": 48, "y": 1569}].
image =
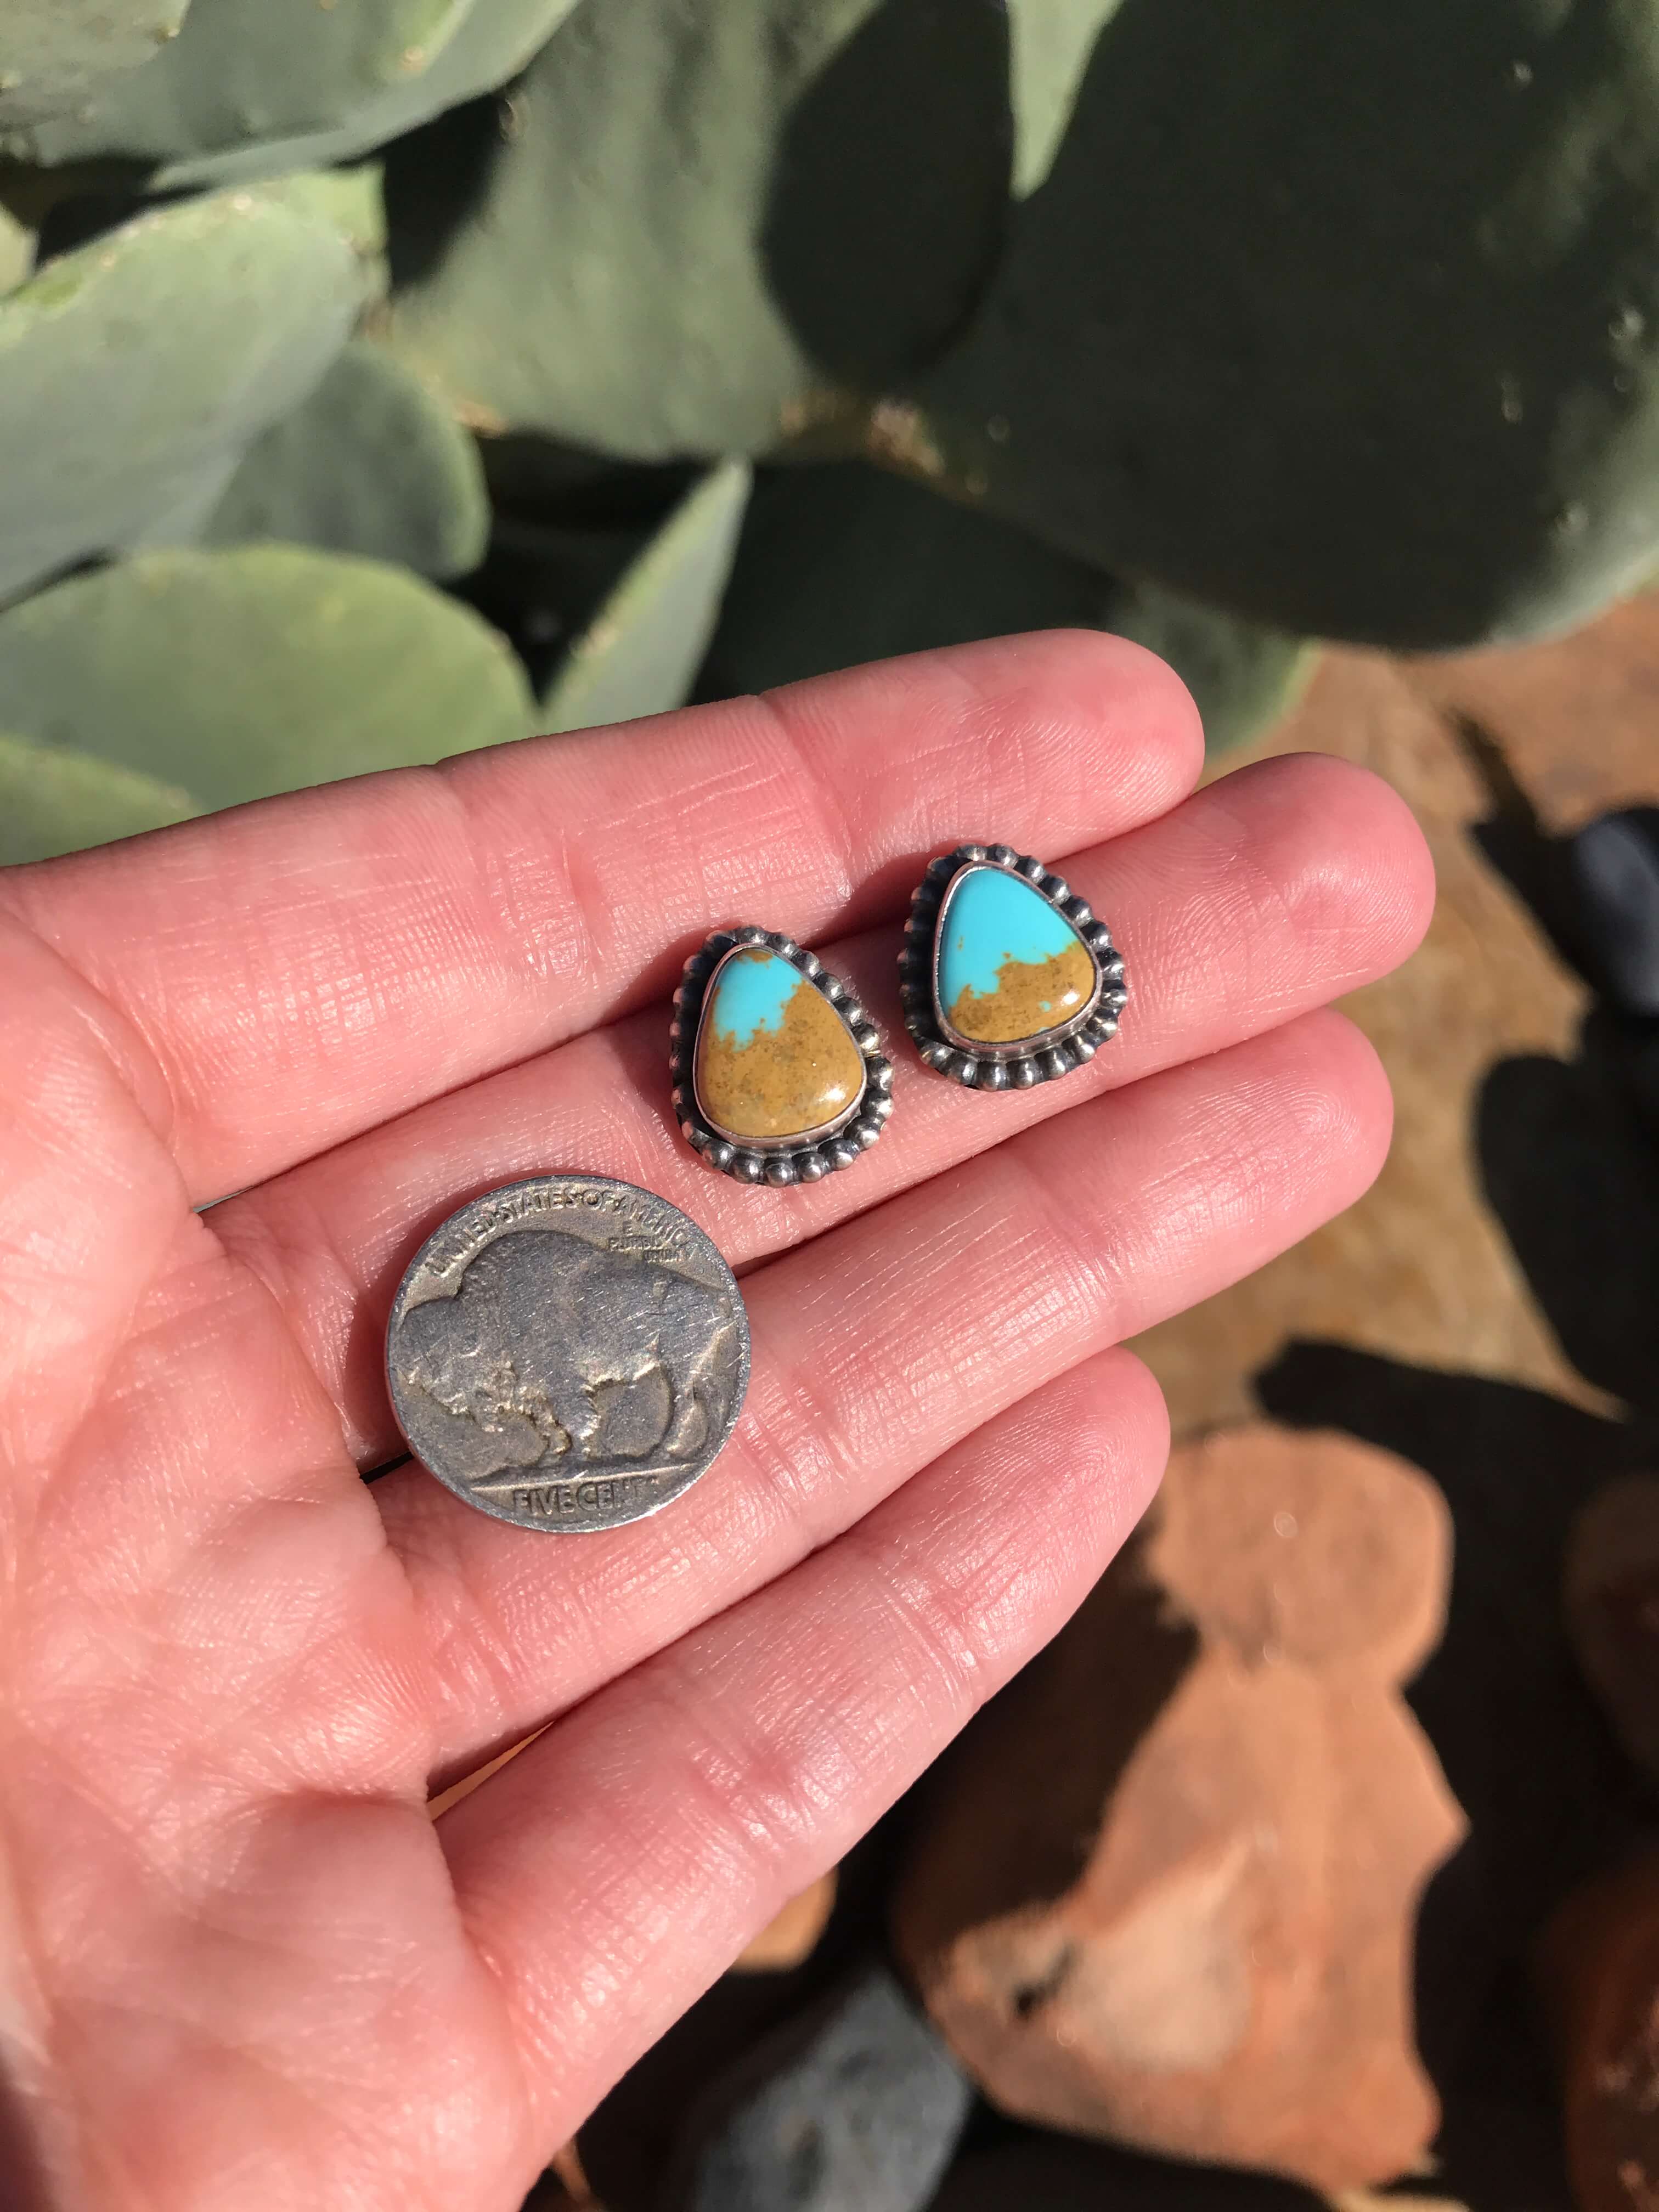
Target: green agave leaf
[
  {"x": 53, "y": 800},
  {"x": 840, "y": 564},
  {"x": 369, "y": 463},
  {"x": 236, "y": 674},
  {"x": 134, "y": 369},
  {"x": 252, "y": 88},
  {"x": 55, "y": 55},
  {"x": 639, "y": 654},
  {"x": 706, "y": 211},
  {"x": 1345, "y": 319}
]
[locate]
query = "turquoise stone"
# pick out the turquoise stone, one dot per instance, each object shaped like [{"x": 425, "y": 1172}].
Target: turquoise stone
[
  {"x": 774, "y": 1060},
  {"x": 750, "y": 993},
  {"x": 1010, "y": 966}
]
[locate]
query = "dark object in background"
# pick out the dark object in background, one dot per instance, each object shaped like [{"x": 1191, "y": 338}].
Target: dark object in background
[
  {"x": 1613, "y": 869},
  {"x": 1612, "y": 891},
  {"x": 1596, "y": 896},
  {"x": 839, "y": 562},
  {"x": 1599, "y": 1967},
  {"x": 854, "y": 2107},
  {"x": 1613, "y": 1612},
  {"x": 1029, "y": 2171},
  {"x": 566, "y": 524}
]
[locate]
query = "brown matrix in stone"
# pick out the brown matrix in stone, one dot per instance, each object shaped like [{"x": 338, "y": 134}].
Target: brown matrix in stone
[
  {"x": 786, "y": 1081},
  {"x": 1031, "y": 996}
]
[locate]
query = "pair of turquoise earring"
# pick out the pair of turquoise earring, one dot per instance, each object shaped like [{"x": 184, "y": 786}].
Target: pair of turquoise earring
[{"x": 1005, "y": 979}]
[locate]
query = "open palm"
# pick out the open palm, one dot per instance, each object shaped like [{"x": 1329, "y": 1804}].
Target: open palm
[{"x": 242, "y": 1967}]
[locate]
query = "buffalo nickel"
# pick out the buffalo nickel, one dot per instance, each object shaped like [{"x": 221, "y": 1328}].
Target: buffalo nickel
[{"x": 568, "y": 1354}]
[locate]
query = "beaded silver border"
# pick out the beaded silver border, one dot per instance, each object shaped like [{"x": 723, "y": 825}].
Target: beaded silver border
[
  {"x": 1004, "y": 1067},
  {"x": 786, "y": 1159}
]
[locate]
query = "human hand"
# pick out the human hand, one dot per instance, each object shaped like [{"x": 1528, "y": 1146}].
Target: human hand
[{"x": 243, "y": 1967}]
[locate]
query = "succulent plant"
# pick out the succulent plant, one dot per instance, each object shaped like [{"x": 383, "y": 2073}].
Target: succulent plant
[
  {"x": 605, "y": 283},
  {"x": 840, "y": 563},
  {"x": 54, "y": 800},
  {"x": 335, "y": 666},
  {"x": 136, "y": 370},
  {"x": 1208, "y": 324},
  {"x": 369, "y": 462},
  {"x": 641, "y": 652},
  {"x": 1345, "y": 317},
  {"x": 242, "y": 88},
  {"x": 60, "y": 54}
]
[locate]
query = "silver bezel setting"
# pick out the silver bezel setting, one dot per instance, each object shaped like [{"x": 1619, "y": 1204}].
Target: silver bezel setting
[
  {"x": 1014, "y": 1066},
  {"x": 780, "y": 1160}
]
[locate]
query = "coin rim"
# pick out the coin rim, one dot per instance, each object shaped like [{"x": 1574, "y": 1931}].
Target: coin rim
[{"x": 470, "y": 1497}]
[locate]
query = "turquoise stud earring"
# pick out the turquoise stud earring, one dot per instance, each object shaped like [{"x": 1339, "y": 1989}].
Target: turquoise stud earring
[
  {"x": 779, "y": 1074},
  {"x": 1007, "y": 979}
]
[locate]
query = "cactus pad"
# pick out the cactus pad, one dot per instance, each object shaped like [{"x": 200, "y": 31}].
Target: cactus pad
[
  {"x": 640, "y": 653},
  {"x": 369, "y": 463},
  {"x": 133, "y": 369},
  {"x": 58, "y": 56},
  {"x": 233, "y": 674},
  {"x": 610, "y": 289},
  {"x": 56, "y": 800},
  {"x": 252, "y": 88},
  {"x": 1347, "y": 319}
]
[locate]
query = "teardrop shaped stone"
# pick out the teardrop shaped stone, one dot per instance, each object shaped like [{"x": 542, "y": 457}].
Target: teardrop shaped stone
[
  {"x": 1011, "y": 966},
  {"x": 774, "y": 1058}
]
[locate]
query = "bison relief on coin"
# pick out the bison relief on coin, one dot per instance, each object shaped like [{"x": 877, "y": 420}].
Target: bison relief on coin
[{"x": 568, "y": 1354}]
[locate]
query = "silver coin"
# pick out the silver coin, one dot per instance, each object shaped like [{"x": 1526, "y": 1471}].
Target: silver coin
[{"x": 568, "y": 1353}]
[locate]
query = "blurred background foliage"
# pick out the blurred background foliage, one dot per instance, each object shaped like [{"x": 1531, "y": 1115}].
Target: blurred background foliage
[{"x": 381, "y": 378}]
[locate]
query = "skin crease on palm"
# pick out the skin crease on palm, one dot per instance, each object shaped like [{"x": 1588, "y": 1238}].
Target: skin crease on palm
[{"x": 241, "y": 1968}]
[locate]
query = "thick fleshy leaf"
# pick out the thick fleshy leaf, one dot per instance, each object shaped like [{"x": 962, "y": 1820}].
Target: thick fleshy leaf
[
  {"x": 1050, "y": 41},
  {"x": 1243, "y": 675},
  {"x": 252, "y": 87},
  {"x": 369, "y": 463},
  {"x": 133, "y": 371},
  {"x": 566, "y": 526},
  {"x": 699, "y": 209},
  {"x": 841, "y": 563},
  {"x": 54, "y": 800},
  {"x": 640, "y": 652},
  {"x": 236, "y": 674},
  {"x": 55, "y": 55},
  {"x": 1345, "y": 319},
  {"x": 350, "y": 199},
  {"x": 16, "y": 252}
]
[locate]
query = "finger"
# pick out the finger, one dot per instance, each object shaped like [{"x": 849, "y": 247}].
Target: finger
[
  {"x": 1258, "y": 899},
  {"x": 888, "y": 1340},
  {"x": 306, "y": 968},
  {"x": 670, "y": 1816}
]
